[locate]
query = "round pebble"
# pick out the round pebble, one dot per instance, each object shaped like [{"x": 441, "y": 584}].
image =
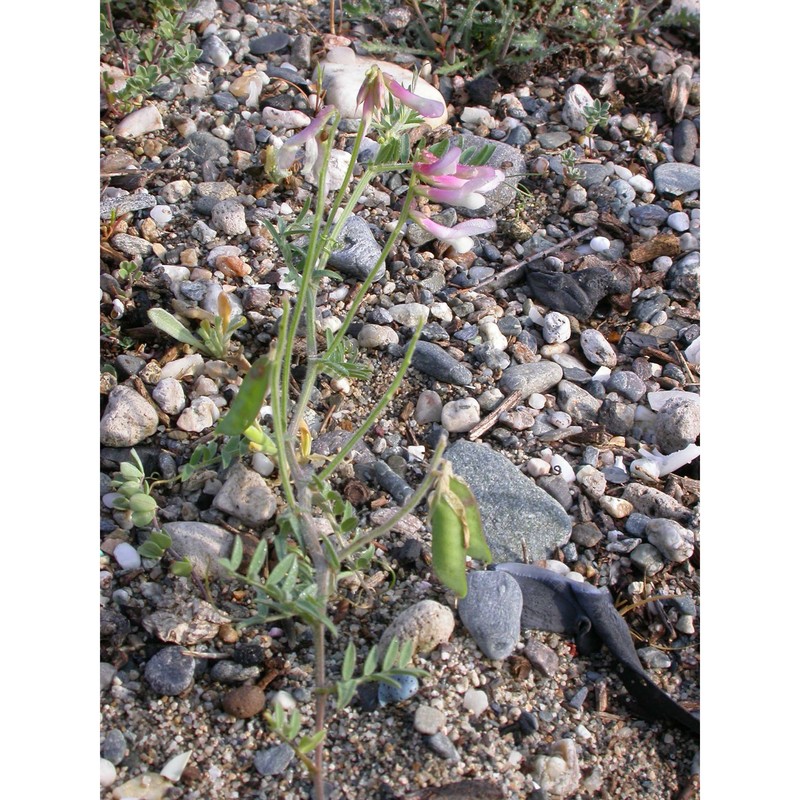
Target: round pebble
[
  {"x": 600, "y": 244},
  {"x": 597, "y": 349},
  {"x": 556, "y": 327},
  {"x": 244, "y": 702},
  {"x": 679, "y": 221},
  {"x": 108, "y": 773},
  {"x": 458, "y": 416},
  {"x": 475, "y": 701},
  {"x": 170, "y": 672},
  {"x": 126, "y": 556},
  {"x": 408, "y": 687},
  {"x": 428, "y": 720}
]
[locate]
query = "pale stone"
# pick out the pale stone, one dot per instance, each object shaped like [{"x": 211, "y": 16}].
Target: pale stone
[
  {"x": 458, "y": 416},
  {"x": 128, "y": 418},
  {"x": 144, "y": 120},
  {"x": 426, "y": 624}
]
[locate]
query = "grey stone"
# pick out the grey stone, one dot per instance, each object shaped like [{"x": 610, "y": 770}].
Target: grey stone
[
  {"x": 535, "y": 377},
  {"x": 408, "y": 314},
  {"x": 461, "y": 415},
  {"x": 128, "y": 418},
  {"x": 274, "y": 760},
  {"x": 576, "y": 99},
  {"x": 245, "y": 496},
  {"x": 672, "y": 540},
  {"x": 228, "y": 216},
  {"x": 215, "y": 51},
  {"x": 626, "y": 383},
  {"x": 360, "y": 251},
  {"x": 372, "y": 336},
  {"x": 408, "y": 687},
  {"x": 557, "y": 488},
  {"x": 131, "y": 245},
  {"x": 202, "y": 543},
  {"x": 442, "y": 746},
  {"x": 114, "y": 746},
  {"x": 594, "y": 174},
  {"x": 586, "y": 534},
  {"x": 515, "y": 168},
  {"x": 433, "y": 360},
  {"x": 677, "y": 425},
  {"x": 169, "y": 671},
  {"x": 514, "y": 510},
  {"x": 654, "y": 503},
  {"x": 647, "y": 559},
  {"x": 578, "y": 403},
  {"x": 204, "y": 146},
  {"x": 125, "y": 203},
  {"x": 230, "y": 672},
  {"x": 518, "y": 137},
  {"x": 429, "y": 407},
  {"x": 271, "y": 43},
  {"x": 244, "y": 138},
  {"x": 201, "y": 11},
  {"x": 616, "y": 415},
  {"x": 674, "y": 178},
  {"x": 597, "y": 349},
  {"x": 683, "y": 277},
  {"x": 543, "y": 658},
  {"x": 649, "y": 215},
  {"x": 552, "y": 140},
  {"x": 428, "y": 720},
  {"x": 107, "y": 673},
  {"x": 684, "y": 141}
]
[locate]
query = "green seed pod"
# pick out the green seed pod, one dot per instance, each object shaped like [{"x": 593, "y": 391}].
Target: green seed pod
[
  {"x": 475, "y": 541},
  {"x": 448, "y": 544}
]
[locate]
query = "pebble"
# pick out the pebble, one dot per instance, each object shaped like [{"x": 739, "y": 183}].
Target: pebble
[
  {"x": 108, "y": 772},
  {"x": 144, "y": 120},
  {"x": 648, "y": 215},
  {"x": 653, "y": 658},
  {"x": 628, "y": 384},
  {"x": 559, "y": 773},
  {"x": 684, "y": 141},
  {"x": 516, "y": 513},
  {"x": 274, "y": 760},
  {"x": 115, "y": 746},
  {"x": 557, "y": 488},
  {"x": 244, "y": 702},
  {"x": 679, "y": 221},
  {"x": 592, "y": 480},
  {"x": 202, "y": 543},
  {"x": 647, "y": 559},
  {"x": 215, "y": 51},
  {"x": 576, "y": 99},
  {"x": 536, "y": 467},
  {"x": 128, "y": 418},
  {"x": 654, "y": 503},
  {"x": 169, "y": 671},
  {"x": 543, "y": 658},
  {"x": 491, "y": 612},
  {"x": 673, "y": 541},
  {"x": 188, "y": 366},
  {"x": 476, "y": 701},
  {"x": 207, "y": 147},
  {"x": 442, "y": 746},
  {"x": 675, "y": 178},
  {"x": 230, "y": 672},
  {"x": 556, "y": 328},
  {"x": 389, "y": 694},
  {"x": 427, "y": 624},
  {"x": 616, "y": 507},
  {"x": 372, "y": 337},
  {"x": 490, "y": 332},
  {"x": 245, "y": 495},
  {"x": 433, "y": 360},
  {"x": 271, "y": 43},
  {"x": 360, "y": 252},
  {"x": 597, "y": 349},
  {"x": 578, "y": 403},
  {"x": 554, "y": 140},
  {"x": 229, "y": 217},
  {"x": 126, "y": 556},
  {"x": 586, "y": 534},
  {"x": 599, "y": 244},
  {"x": 428, "y": 720},
  {"x": 459, "y": 416},
  {"x": 428, "y": 408},
  {"x": 535, "y": 377},
  {"x": 409, "y": 314},
  {"x": 641, "y": 184},
  {"x": 147, "y": 786},
  {"x": 169, "y": 395},
  {"x": 132, "y": 245},
  {"x": 677, "y": 425},
  {"x": 199, "y": 416}
]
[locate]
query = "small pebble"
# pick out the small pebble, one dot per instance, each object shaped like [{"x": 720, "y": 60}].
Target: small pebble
[
  {"x": 127, "y": 557},
  {"x": 459, "y": 416},
  {"x": 244, "y": 702},
  {"x": 556, "y": 328},
  {"x": 428, "y": 720},
  {"x": 108, "y": 773},
  {"x": 273, "y": 761},
  {"x": 476, "y": 701},
  {"x": 600, "y": 244}
]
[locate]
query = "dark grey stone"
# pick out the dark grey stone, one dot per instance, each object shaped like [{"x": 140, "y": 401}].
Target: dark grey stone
[
  {"x": 439, "y": 364},
  {"x": 684, "y": 141},
  {"x": 224, "y": 101},
  {"x": 616, "y": 415},
  {"x": 576, "y": 293},
  {"x": 360, "y": 251},
  {"x": 537, "y": 376},
  {"x": 271, "y": 43},
  {"x": 586, "y": 534},
  {"x": 595, "y": 174},
  {"x": 649, "y": 215},
  {"x": 543, "y": 658},
  {"x": 491, "y": 357},
  {"x": 204, "y": 146},
  {"x": 628, "y": 384},
  {"x": 169, "y": 671},
  {"x": 274, "y": 760},
  {"x": 509, "y": 326},
  {"x": 114, "y": 746},
  {"x": 244, "y": 138},
  {"x": 442, "y": 746},
  {"x": 557, "y": 488},
  {"x": 513, "y": 508},
  {"x": 231, "y": 672},
  {"x": 168, "y": 90},
  {"x": 480, "y": 90},
  {"x": 683, "y": 277},
  {"x": 674, "y": 178},
  {"x": 434, "y": 332},
  {"x": 491, "y": 612},
  {"x": 578, "y": 403},
  {"x": 519, "y": 136}
]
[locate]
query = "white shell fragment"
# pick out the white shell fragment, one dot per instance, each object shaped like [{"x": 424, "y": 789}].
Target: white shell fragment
[
  {"x": 556, "y": 328},
  {"x": 174, "y": 768},
  {"x": 671, "y": 462},
  {"x": 161, "y": 215}
]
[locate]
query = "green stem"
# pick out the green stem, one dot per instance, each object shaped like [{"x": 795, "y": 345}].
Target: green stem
[
  {"x": 280, "y": 409},
  {"x": 421, "y": 491}
]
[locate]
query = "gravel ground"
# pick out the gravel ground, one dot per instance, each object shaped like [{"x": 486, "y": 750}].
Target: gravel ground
[{"x": 631, "y": 220}]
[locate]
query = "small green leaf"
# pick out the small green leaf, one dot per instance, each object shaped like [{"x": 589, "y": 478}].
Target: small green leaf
[
  {"x": 130, "y": 472},
  {"x": 309, "y": 743},
  {"x": 281, "y": 569},
  {"x": 344, "y": 693},
  {"x": 349, "y": 661},
  {"x": 391, "y": 654},
  {"x": 182, "y": 568},
  {"x": 143, "y": 503},
  {"x": 257, "y": 561},
  {"x": 406, "y": 653},
  {"x": 161, "y": 538},
  {"x": 236, "y": 554},
  {"x": 294, "y": 725},
  {"x": 371, "y": 661},
  {"x": 150, "y": 549},
  {"x": 164, "y": 321}
]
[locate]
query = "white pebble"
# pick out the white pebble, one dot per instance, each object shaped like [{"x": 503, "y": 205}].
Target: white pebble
[
  {"x": 560, "y": 419},
  {"x": 126, "y": 556},
  {"x": 692, "y": 352},
  {"x": 679, "y": 221},
  {"x": 537, "y": 401},
  {"x": 262, "y": 465},
  {"x": 560, "y": 466},
  {"x": 559, "y": 567},
  {"x": 623, "y": 172},
  {"x": 174, "y": 768},
  {"x": 285, "y": 700},
  {"x": 602, "y": 375},
  {"x": 458, "y": 416},
  {"x": 662, "y": 263},
  {"x": 536, "y": 467},
  {"x": 575, "y": 576},
  {"x": 645, "y": 469},
  {"x": 641, "y": 184},
  {"x": 685, "y": 624},
  {"x": 492, "y": 335},
  {"x": 556, "y": 328},
  {"x": 582, "y": 732},
  {"x": 597, "y": 349},
  {"x": 161, "y": 215},
  {"x": 475, "y": 701},
  {"x": 616, "y": 507},
  {"x": 600, "y": 244},
  {"x": 108, "y": 772}
]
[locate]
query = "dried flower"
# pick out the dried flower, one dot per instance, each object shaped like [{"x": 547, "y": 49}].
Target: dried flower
[{"x": 308, "y": 136}]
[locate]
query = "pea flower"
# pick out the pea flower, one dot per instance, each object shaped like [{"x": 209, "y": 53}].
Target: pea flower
[
  {"x": 453, "y": 183},
  {"x": 308, "y": 137},
  {"x": 422, "y": 105},
  {"x": 371, "y": 93},
  {"x": 459, "y": 237}
]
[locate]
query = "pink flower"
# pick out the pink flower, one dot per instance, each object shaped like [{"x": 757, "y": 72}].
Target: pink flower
[
  {"x": 422, "y": 105},
  {"x": 466, "y": 195},
  {"x": 453, "y": 183},
  {"x": 372, "y": 93},
  {"x": 459, "y": 237},
  {"x": 288, "y": 151},
  {"x": 431, "y": 166}
]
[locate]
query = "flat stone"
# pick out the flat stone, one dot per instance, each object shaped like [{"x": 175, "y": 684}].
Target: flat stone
[
  {"x": 245, "y": 495},
  {"x": 648, "y": 215},
  {"x": 543, "y": 658},
  {"x": 684, "y": 141},
  {"x": 673, "y": 541},
  {"x": 360, "y": 252},
  {"x": 202, "y": 543},
  {"x": 271, "y": 43},
  {"x": 274, "y": 760},
  {"x": 491, "y": 612},
  {"x": 533, "y": 378},
  {"x": 674, "y": 178},
  {"x": 553, "y": 140},
  {"x": 125, "y": 203},
  {"x": 204, "y": 146},
  {"x": 169, "y": 671},
  {"x": 442, "y": 746},
  {"x": 433, "y": 360},
  {"x": 654, "y": 503},
  {"x": 428, "y": 720},
  {"x": 128, "y": 418},
  {"x": 575, "y": 293},
  {"x": 514, "y": 510}
]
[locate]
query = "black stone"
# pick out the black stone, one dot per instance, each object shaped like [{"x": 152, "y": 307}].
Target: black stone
[
  {"x": 518, "y": 136},
  {"x": 271, "y": 43},
  {"x": 481, "y": 89},
  {"x": 249, "y": 655},
  {"x": 576, "y": 293},
  {"x": 649, "y": 215},
  {"x": 224, "y": 101}
]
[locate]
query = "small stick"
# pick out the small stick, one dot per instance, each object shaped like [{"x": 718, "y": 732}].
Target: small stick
[
  {"x": 543, "y": 254},
  {"x": 684, "y": 362},
  {"x": 490, "y": 419}
]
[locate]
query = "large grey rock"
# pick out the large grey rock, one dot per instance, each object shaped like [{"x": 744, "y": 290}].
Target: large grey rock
[
  {"x": 491, "y": 612},
  {"x": 128, "y": 418},
  {"x": 535, "y": 377},
  {"x": 360, "y": 251},
  {"x": 674, "y": 178},
  {"x": 677, "y": 425},
  {"x": 202, "y": 543},
  {"x": 504, "y": 157},
  {"x": 514, "y": 510},
  {"x": 438, "y": 363},
  {"x": 245, "y": 495}
]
